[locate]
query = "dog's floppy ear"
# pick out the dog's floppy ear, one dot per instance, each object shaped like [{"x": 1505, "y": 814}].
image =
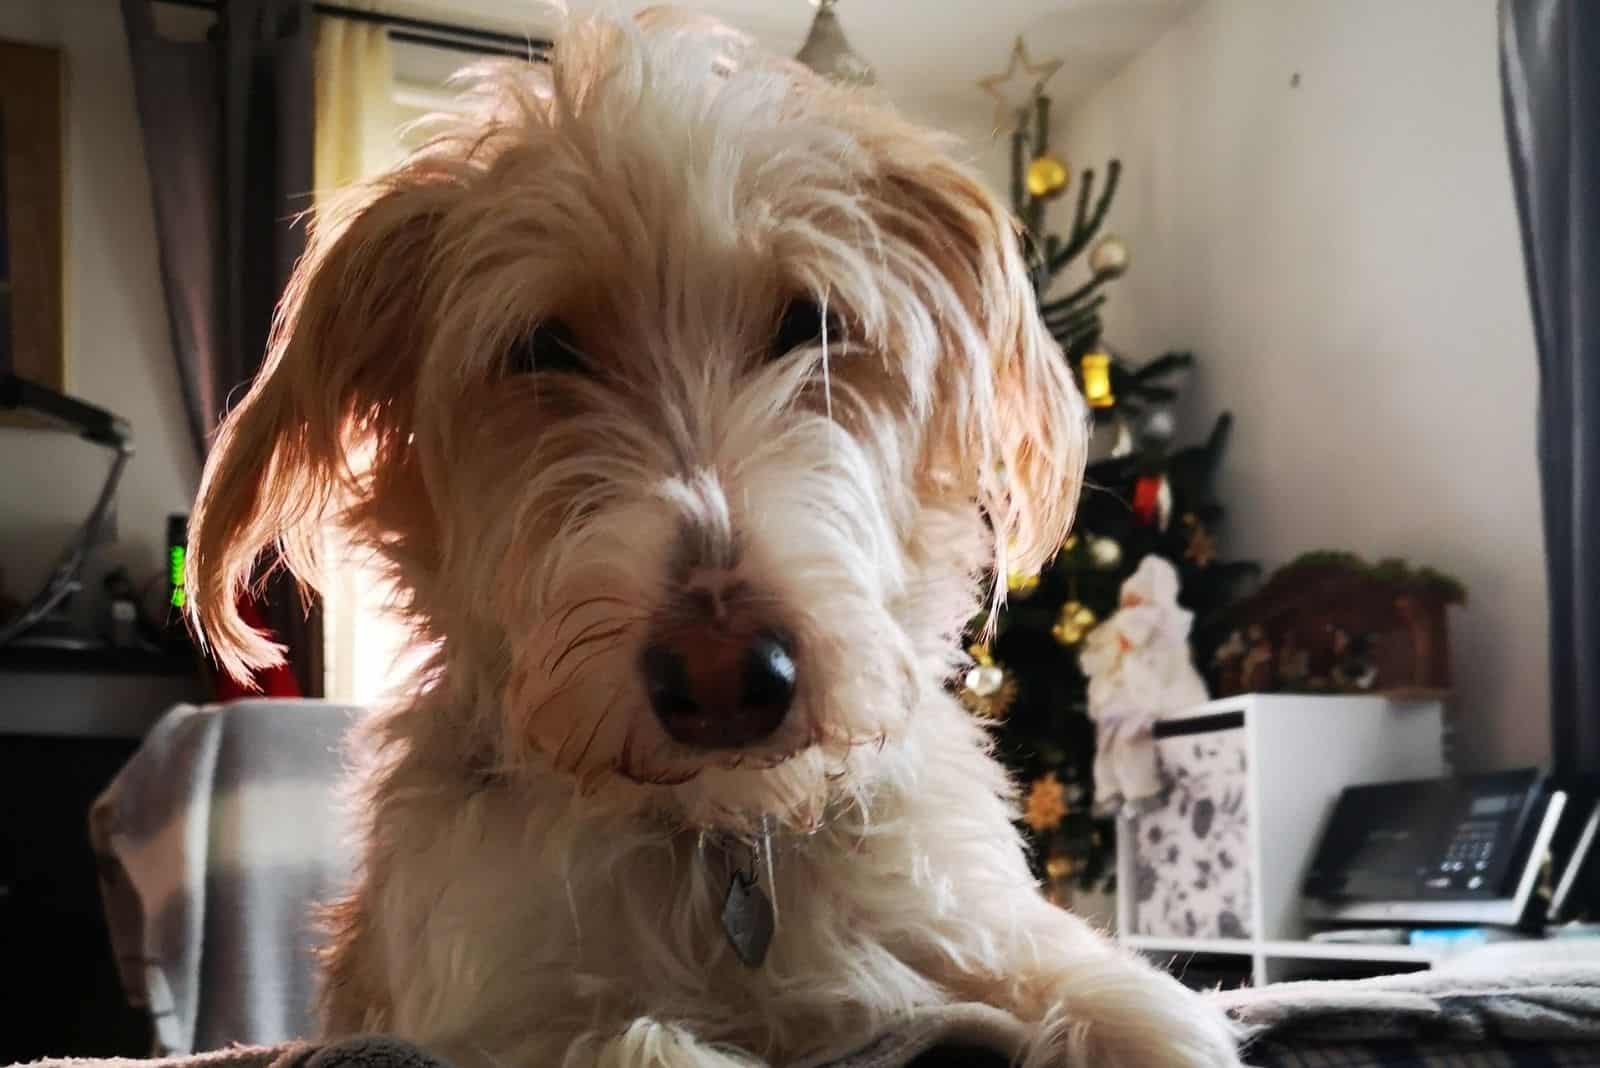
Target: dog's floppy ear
[
  {"x": 1007, "y": 414},
  {"x": 331, "y": 406}
]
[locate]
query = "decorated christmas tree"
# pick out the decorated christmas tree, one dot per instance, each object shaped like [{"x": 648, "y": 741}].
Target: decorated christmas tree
[{"x": 1145, "y": 494}]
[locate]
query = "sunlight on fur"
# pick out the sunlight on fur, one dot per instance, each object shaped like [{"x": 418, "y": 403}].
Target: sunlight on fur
[{"x": 687, "y": 389}]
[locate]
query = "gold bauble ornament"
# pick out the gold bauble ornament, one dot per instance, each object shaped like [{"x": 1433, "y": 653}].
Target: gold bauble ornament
[
  {"x": 1109, "y": 257},
  {"x": 1076, "y": 620},
  {"x": 1048, "y": 177},
  {"x": 1070, "y": 544},
  {"x": 1059, "y": 867}
]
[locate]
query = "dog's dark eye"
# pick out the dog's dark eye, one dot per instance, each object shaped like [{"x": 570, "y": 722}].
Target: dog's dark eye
[
  {"x": 550, "y": 346},
  {"x": 801, "y": 326}
]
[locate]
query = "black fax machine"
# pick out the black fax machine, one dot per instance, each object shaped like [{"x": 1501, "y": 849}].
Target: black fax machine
[{"x": 1469, "y": 850}]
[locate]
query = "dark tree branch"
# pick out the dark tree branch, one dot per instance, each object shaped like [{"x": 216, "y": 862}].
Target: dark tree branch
[
  {"x": 1162, "y": 366},
  {"x": 1066, "y": 318},
  {"x": 1073, "y": 299},
  {"x": 1086, "y": 226}
]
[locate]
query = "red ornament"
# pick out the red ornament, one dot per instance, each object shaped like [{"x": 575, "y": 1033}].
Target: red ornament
[
  {"x": 1147, "y": 499},
  {"x": 1152, "y": 501}
]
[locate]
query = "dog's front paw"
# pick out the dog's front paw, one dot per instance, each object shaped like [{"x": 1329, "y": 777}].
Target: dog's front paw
[
  {"x": 650, "y": 1043},
  {"x": 1174, "y": 1029}
]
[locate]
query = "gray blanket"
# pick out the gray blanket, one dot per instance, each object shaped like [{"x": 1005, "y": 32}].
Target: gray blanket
[
  {"x": 212, "y": 843},
  {"x": 1540, "y": 1003},
  {"x": 1556, "y": 1004}
]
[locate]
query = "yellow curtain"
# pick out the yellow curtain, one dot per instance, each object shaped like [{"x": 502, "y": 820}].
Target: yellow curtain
[
  {"x": 357, "y": 135},
  {"x": 357, "y": 128}
]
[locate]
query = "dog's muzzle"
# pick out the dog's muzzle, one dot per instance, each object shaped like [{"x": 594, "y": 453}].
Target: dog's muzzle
[{"x": 714, "y": 688}]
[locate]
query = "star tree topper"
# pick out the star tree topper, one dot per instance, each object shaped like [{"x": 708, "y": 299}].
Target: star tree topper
[{"x": 1016, "y": 88}]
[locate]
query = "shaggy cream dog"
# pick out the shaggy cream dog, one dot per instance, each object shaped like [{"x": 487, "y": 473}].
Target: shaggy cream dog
[{"x": 681, "y": 392}]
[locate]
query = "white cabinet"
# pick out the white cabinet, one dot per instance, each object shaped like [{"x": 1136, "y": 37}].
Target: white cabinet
[{"x": 1217, "y": 868}]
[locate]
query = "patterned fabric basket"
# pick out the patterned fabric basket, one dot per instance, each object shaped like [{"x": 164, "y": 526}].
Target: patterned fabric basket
[{"x": 1192, "y": 853}]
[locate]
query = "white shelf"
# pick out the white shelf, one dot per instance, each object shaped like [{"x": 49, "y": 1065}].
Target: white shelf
[
  {"x": 1346, "y": 951},
  {"x": 1295, "y": 754},
  {"x": 1240, "y": 947},
  {"x": 1236, "y": 947}
]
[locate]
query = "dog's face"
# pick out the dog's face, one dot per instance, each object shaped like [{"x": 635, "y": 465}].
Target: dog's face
[{"x": 675, "y": 399}]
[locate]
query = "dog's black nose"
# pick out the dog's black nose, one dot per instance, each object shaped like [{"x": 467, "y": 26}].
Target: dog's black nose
[{"x": 714, "y": 690}]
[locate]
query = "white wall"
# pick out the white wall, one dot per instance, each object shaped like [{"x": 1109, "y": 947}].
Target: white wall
[
  {"x": 118, "y": 351},
  {"x": 1343, "y": 258}
]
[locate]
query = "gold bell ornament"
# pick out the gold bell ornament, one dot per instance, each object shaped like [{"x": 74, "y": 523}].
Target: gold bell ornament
[{"x": 1096, "y": 368}]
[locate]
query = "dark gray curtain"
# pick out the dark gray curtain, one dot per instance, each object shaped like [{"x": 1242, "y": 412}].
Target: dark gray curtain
[
  {"x": 228, "y": 125},
  {"x": 1550, "y": 77}
]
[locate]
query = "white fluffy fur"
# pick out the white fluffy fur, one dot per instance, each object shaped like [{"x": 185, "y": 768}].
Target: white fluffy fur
[{"x": 543, "y": 867}]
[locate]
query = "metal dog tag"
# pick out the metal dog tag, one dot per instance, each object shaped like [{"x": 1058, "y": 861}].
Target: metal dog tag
[
  {"x": 747, "y": 920},
  {"x": 747, "y": 916}
]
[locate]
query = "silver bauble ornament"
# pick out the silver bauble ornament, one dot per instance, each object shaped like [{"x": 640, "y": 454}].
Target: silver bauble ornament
[
  {"x": 1105, "y": 552},
  {"x": 985, "y": 680},
  {"x": 1109, "y": 257},
  {"x": 1158, "y": 426}
]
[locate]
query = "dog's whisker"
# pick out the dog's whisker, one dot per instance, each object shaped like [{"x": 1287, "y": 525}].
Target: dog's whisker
[
  {"x": 608, "y": 619},
  {"x": 660, "y": 778},
  {"x": 611, "y": 706},
  {"x": 625, "y": 751},
  {"x": 562, "y": 688},
  {"x": 827, "y": 378},
  {"x": 555, "y": 758},
  {"x": 589, "y": 638},
  {"x": 595, "y": 654},
  {"x": 538, "y": 711},
  {"x": 566, "y": 612}
]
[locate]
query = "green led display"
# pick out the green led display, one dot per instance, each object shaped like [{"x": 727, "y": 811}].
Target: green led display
[{"x": 175, "y": 562}]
